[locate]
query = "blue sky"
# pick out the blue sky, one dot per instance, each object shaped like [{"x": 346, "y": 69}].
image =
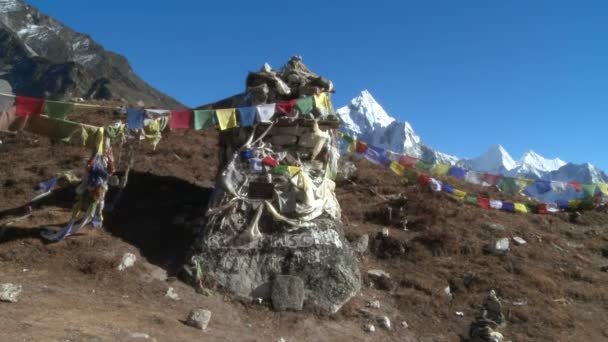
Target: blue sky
[{"x": 466, "y": 74}]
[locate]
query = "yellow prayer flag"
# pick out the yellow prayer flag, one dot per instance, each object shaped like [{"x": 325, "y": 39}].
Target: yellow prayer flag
[
  {"x": 459, "y": 194},
  {"x": 398, "y": 169},
  {"x": 603, "y": 188},
  {"x": 520, "y": 208},
  {"x": 440, "y": 169},
  {"x": 323, "y": 103},
  {"x": 293, "y": 170},
  {"x": 573, "y": 204},
  {"x": 226, "y": 118},
  {"x": 352, "y": 147}
]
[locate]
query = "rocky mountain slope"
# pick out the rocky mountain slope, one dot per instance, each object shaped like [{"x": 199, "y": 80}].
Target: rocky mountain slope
[
  {"x": 365, "y": 119},
  {"x": 40, "y": 56}
]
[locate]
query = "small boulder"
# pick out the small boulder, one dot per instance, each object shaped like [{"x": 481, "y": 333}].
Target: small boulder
[
  {"x": 361, "y": 244},
  {"x": 199, "y": 318},
  {"x": 519, "y": 241},
  {"x": 500, "y": 246},
  {"x": 10, "y": 292},
  {"x": 404, "y": 325},
  {"x": 369, "y": 328},
  {"x": 128, "y": 260},
  {"x": 171, "y": 294},
  {"x": 374, "y": 304},
  {"x": 287, "y": 293},
  {"x": 385, "y": 322},
  {"x": 378, "y": 274}
]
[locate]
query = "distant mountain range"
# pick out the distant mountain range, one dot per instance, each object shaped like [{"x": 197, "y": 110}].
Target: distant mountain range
[
  {"x": 41, "y": 57},
  {"x": 365, "y": 119}
]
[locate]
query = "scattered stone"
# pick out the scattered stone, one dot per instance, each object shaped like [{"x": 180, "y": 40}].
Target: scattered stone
[
  {"x": 171, "y": 294},
  {"x": 520, "y": 302},
  {"x": 281, "y": 339},
  {"x": 448, "y": 292},
  {"x": 374, "y": 304},
  {"x": 139, "y": 335},
  {"x": 385, "y": 322},
  {"x": 404, "y": 325},
  {"x": 199, "y": 318},
  {"x": 259, "y": 301},
  {"x": 128, "y": 260},
  {"x": 378, "y": 274},
  {"x": 494, "y": 226},
  {"x": 519, "y": 241},
  {"x": 385, "y": 232},
  {"x": 370, "y": 328},
  {"x": 501, "y": 246},
  {"x": 361, "y": 244},
  {"x": 459, "y": 313},
  {"x": 10, "y": 292},
  {"x": 287, "y": 293}
]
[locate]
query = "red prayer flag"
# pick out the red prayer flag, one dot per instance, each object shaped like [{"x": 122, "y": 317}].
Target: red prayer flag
[
  {"x": 29, "y": 106},
  {"x": 407, "y": 161},
  {"x": 424, "y": 179},
  {"x": 483, "y": 202},
  {"x": 361, "y": 147},
  {"x": 541, "y": 208},
  {"x": 286, "y": 107},
  {"x": 576, "y": 186},
  {"x": 270, "y": 162},
  {"x": 491, "y": 179},
  {"x": 180, "y": 119}
]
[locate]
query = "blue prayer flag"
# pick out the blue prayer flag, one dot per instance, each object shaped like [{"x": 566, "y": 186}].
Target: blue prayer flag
[
  {"x": 457, "y": 172},
  {"x": 48, "y": 185},
  {"x": 506, "y": 206},
  {"x": 135, "y": 118},
  {"x": 543, "y": 186},
  {"x": 377, "y": 156},
  {"x": 247, "y": 115},
  {"x": 447, "y": 188}
]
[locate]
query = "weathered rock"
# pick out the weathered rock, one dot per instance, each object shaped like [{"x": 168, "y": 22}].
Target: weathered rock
[
  {"x": 519, "y": 241},
  {"x": 500, "y": 246},
  {"x": 492, "y": 309},
  {"x": 385, "y": 322},
  {"x": 374, "y": 304},
  {"x": 10, "y": 292},
  {"x": 369, "y": 328},
  {"x": 171, "y": 294},
  {"x": 128, "y": 260},
  {"x": 287, "y": 293},
  {"x": 360, "y": 245},
  {"x": 404, "y": 325},
  {"x": 346, "y": 170},
  {"x": 494, "y": 226},
  {"x": 385, "y": 232},
  {"x": 199, "y": 318},
  {"x": 376, "y": 274}
]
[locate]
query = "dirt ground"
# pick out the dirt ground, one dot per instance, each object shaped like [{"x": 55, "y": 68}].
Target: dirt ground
[{"x": 552, "y": 288}]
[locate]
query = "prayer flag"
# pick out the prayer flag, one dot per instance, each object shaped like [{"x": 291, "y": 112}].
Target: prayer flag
[
  {"x": 473, "y": 177},
  {"x": 265, "y": 112},
  {"x": 280, "y": 170},
  {"x": 361, "y": 147},
  {"x": 589, "y": 190},
  {"x": 305, "y": 105},
  {"x": 398, "y": 169},
  {"x": 423, "y": 165},
  {"x": 435, "y": 185},
  {"x": 156, "y": 113},
  {"x": 520, "y": 208},
  {"x": 294, "y": 170},
  {"x": 48, "y": 185},
  {"x": 459, "y": 194},
  {"x": 27, "y": 106},
  {"x": 347, "y": 137},
  {"x": 424, "y": 179},
  {"x": 562, "y": 204},
  {"x": 180, "y": 119},
  {"x": 541, "y": 209},
  {"x": 135, "y": 118},
  {"x": 203, "y": 118},
  {"x": 483, "y": 202},
  {"x": 447, "y": 188},
  {"x": 457, "y": 172},
  {"x": 558, "y": 186},
  {"x": 575, "y": 185},
  {"x": 407, "y": 161},
  {"x": 491, "y": 179},
  {"x": 440, "y": 169},
  {"x": 542, "y": 186},
  {"x": 270, "y": 162},
  {"x": 514, "y": 186},
  {"x": 247, "y": 116},
  {"x": 471, "y": 199},
  {"x": 255, "y": 165},
  {"x": 57, "y": 110},
  {"x": 226, "y": 118},
  {"x": 508, "y": 206},
  {"x": 603, "y": 188},
  {"x": 377, "y": 156},
  {"x": 495, "y": 204},
  {"x": 286, "y": 107},
  {"x": 323, "y": 104}
]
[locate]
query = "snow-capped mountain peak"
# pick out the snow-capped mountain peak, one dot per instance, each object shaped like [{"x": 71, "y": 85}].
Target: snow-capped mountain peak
[
  {"x": 532, "y": 162},
  {"x": 496, "y": 159},
  {"x": 369, "y": 114}
]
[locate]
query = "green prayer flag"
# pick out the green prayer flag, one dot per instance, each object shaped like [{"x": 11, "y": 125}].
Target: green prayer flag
[
  {"x": 588, "y": 189},
  {"x": 424, "y": 166},
  {"x": 57, "y": 110},
  {"x": 471, "y": 199},
  {"x": 281, "y": 170},
  {"x": 348, "y": 138},
  {"x": 204, "y": 118},
  {"x": 514, "y": 186},
  {"x": 305, "y": 105}
]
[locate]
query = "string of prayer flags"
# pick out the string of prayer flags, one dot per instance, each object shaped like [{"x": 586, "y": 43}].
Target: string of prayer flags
[
  {"x": 226, "y": 118},
  {"x": 180, "y": 119},
  {"x": 265, "y": 112},
  {"x": 57, "y": 110},
  {"x": 408, "y": 162},
  {"x": 305, "y": 105},
  {"x": 286, "y": 107},
  {"x": 27, "y": 106},
  {"x": 204, "y": 118},
  {"x": 247, "y": 116},
  {"x": 457, "y": 172},
  {"x": 135, "y": 118},
  {"x": 323, "y": 104}
]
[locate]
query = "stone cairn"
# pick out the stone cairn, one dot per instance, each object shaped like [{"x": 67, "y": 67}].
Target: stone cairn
[{"x": 271, "y": 235}]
